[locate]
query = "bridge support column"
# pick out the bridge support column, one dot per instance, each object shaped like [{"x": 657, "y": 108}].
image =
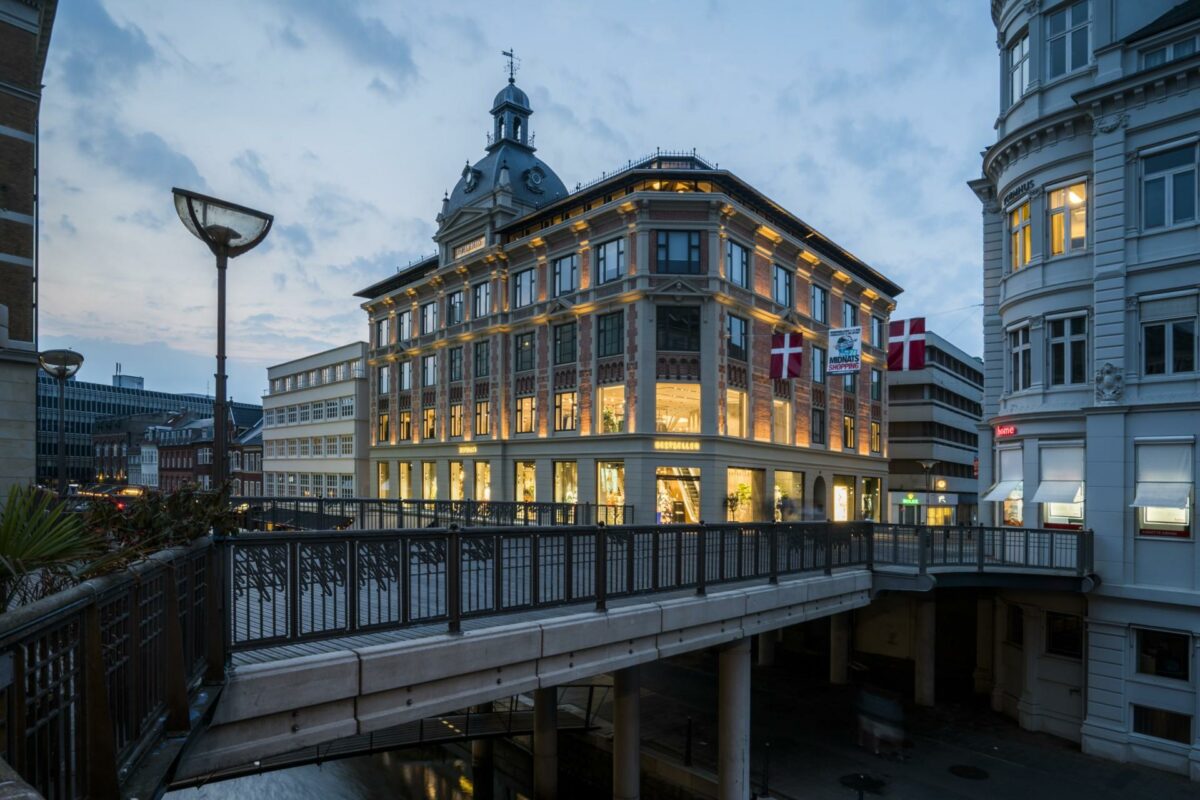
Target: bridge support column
[
  {"x": 483, "y": 764},
  {"x": 766, "y": 648},
  {"x": 924, "y": 653},
  {"x": 627, "y": 734},
  {"x": 839, "y": 648},
  {"x": 545, "y": 744},
  {"x": 733, "y": 722}
]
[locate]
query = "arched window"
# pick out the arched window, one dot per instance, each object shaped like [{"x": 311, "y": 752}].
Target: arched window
[{"x": 516, "y": 128}]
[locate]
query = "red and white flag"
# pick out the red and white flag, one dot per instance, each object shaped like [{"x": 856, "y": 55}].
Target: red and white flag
[
  {"x": 787, "y": 355},
  {"x": 906, "y": 344}
]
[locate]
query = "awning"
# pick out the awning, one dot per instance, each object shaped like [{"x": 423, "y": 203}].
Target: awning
[
  {"x": 1059, "y": 492},
  {"x": 1005, "y": 490},
  {"x": 1162, "y": 495}
]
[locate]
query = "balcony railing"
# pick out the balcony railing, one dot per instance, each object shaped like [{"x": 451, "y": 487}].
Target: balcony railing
[{"x": 326, "y": 513}]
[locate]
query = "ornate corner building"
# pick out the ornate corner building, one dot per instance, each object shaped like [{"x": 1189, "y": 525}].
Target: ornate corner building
[
  {"x": 1091, "y": 265},
  {"x": 611, "y": 345}
]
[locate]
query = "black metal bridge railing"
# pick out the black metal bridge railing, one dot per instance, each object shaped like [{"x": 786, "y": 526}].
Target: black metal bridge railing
[{"x": 332, "y": 513}]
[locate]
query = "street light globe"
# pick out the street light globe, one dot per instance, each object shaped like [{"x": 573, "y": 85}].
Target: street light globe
[
  {"x": 60, "y": 364},
  {"x": 221, "y": 225}
]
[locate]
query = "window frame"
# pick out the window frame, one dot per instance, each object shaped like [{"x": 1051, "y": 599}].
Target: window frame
[
  {"x": 1065, "y": 245},
  {"x": 1169, "y": 337},
  {"x": 819, "y": 303},
  {"x": 1067, "y": 36},
  {"x": 1019, "y": 358},
  {"x": 1168, "y": 177},
  {"x": 1018, "y": 67},
  {"x": 734, "y": 348},
  {"x": 605, "y": 272},
  {"x": 482, "y": 355},
  {"x": 606, "y": 338},
  {"x": 1073, "y": 650},
  {"x": 429, "y": 317},
  {"x": 1068, "y": 357},
  {"x": 743, "y": 270},
  {"x": 665, "y": 336},
  {"x": 788, "y": 286},
  {"x": 565, "y": 267},
  {"x": 524, "y": 292},
  {"x": 429, "y": 371},
  {"x": 522, "y": 354},
  {"x": 525, "y": 411},
  {"x": 1020, "y": 234},
  {"x": 454, "y": 364},
  {"x": 566, "y": 349},
  {"x": 664, "y": 265},
  {"x": 455, "y": 307},
  {"x": 566, "y": 419},
  {"x": 481, "y": 299},
  {"x": 819, "y": 364}
]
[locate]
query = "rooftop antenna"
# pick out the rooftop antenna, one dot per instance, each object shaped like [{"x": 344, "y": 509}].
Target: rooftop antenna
[{"x": 514, "y": 64}]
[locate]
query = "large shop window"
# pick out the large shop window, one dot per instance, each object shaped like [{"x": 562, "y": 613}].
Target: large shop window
[
  {"x": 789, "y": 496},
  {"x": 483, "y": 481},
  {"x": 735, "y": 407},
  {"x": 677, "y": 407},
  {"x": 872, "y": 498},
  {"x": 1061, "y": 489},
  {"x": 525, "y": 482},
  {"x": 429, "y": 489},
  {"x": 843, "y": 498},
  {"x": 566, "y": 482},
  {"x": 744, "y": 494},
  {"x": 612, "y": 408},
  {"x": 677, "y": 490},
  {"x": 1163, "y": 496},
  {"x": 610, "y": 483},
  {"x": 405, "y": 472},
  {"x": 1009, "y": 490},
  {"x": 458, "y": 481}
]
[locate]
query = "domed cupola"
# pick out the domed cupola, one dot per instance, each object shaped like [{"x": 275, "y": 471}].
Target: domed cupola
[{"x": 510, "y": 113}]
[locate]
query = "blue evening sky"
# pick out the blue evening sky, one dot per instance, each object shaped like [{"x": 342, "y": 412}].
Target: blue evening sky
[{"x": 347, "y": 120}]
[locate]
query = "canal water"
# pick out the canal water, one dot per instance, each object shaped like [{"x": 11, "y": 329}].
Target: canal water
[{"x": 432, "y": 774}]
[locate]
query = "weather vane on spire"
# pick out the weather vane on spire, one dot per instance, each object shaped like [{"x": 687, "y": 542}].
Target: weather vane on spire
[{"x": 514, "y": 64}]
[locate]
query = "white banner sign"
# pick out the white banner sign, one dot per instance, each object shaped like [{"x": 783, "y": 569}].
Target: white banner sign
[{"x": 845, "y": 351}]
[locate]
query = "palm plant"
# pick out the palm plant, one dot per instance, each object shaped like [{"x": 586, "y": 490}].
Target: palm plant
[{"x": 42, "y": 545}]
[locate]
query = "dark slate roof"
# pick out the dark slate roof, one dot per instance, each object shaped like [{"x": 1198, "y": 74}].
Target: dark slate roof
[
  {"x": 1184, "y": 12},
  {"x": 512, "y": 95},
  {"x": 545, "y": 188},
  {"x": 245, "y": 416}
]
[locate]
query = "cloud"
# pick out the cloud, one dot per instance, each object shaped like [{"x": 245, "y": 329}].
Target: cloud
[
  {"x": 367, "y": 40},
  {"x": 250, "y": 164},
  {"x": 144, "y": 157},
  {"x": 65, "y": 224},
  {"x": 288, "y": 37},
  {"x": 296, "y": 239},
  {"x": 100, "y": 54},
  {"x": 333, "y": 211},
  {"x": 144, "y": 218}
]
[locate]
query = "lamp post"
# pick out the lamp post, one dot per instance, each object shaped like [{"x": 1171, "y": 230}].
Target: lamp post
[
  {"x": 61, "y": 364},
  {"x": 229, "y": 230},
  {"x": 928, "y": 467}
]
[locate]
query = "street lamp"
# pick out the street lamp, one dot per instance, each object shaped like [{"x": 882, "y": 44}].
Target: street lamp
[
  {"x": 928, "y": 467},
  {"x": 229, "y": 230},
  {"x": 60, "y": 365}
]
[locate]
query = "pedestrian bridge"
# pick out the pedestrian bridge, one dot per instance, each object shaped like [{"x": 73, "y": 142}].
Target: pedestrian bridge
[{"x": 261, "y": 644}]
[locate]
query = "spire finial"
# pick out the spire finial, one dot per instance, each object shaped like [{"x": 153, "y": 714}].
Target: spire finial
[{"x": 514, "y": 64}]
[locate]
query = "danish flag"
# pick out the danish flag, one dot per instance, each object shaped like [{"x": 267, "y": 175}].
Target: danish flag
[
  {"x": 906, "y": 344},
  {"x": 787, "y": 355}
]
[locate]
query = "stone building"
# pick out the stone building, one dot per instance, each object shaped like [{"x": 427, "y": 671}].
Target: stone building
[
  {"x": 1091, "y": 266},
  {"x": 24, "y": 40},
  {"x": 611, "y": 345},
  {"x": 315, "y": 425},
  {"x": 933, "y": 437}
]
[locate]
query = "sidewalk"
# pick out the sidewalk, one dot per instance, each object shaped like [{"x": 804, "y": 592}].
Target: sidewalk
[{"x": 812, "y": 730}]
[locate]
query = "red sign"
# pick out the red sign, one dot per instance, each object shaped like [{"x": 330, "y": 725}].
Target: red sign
[
  {"x": 975, "y": 468},
  {"x": 1004, "y": 431}
]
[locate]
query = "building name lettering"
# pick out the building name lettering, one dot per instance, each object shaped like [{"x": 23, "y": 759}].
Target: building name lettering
[
  {"x": 675, "y": 444},
  {"x": 473, "y": 246},
  {"x": 1020, "y": 191},
  {"x": 1005, "y": 431}
]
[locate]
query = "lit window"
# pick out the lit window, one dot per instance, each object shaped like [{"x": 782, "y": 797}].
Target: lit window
[
  {"x": 566, "y": 274},
  {"x": 1163, "y": 494},
  {"x": 456, "y": 419},
  {"x": 1169, "y": 188},
  {"x": 1018, "y": 69},
  {"x": 382, "y": 433},
  {"x": 525, "y": 482},
  {"x": 483, "y": 481},
  {"x": 429, "y": 487},
  {"x": 610, "y": 260},
  {"x": 566, "y": 482},
  {"x": 526, "y": 414},
  {"x": 1061, "y": 489},
  {"x": 677, "y": 407},
  {"x": 736, "y": 330},
  {"x": 403, "y": 426},
  {"x": 429, "y": 423},
  {"x": 1068, "y": 219},
  {"x": 678, "y": 252},
  {"x": 735, "y": 411},
  {"x": 458, "y": 481},
  {"x": 876, "y": 437},
  {"x": 737, "y": 264},
  {"x": 1067, "y": 39},
  {"x": 483, "y": 418},
  {"x": 524, "y": 288},
  {"x": 781, "y": 421},
  {"x": 612, "y": 409},
  {"x": 849, "y": 439},
  {"x": 1020, "y": 236},
  {"x": 564, "y": 411}
]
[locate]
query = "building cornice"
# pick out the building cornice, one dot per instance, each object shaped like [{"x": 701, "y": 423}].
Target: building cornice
[
  {"x": 1066, "y": 123},
  {"x": 1140, "y": 87}
]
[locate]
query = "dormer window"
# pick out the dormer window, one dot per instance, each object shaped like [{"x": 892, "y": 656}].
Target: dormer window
[{"x": 1158, "y": 56}]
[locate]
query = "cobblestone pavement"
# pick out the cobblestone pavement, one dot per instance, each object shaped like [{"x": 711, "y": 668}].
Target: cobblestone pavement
[{"x": 812, "y": 731}]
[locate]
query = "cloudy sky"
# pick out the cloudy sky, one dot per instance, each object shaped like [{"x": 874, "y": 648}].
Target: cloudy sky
[{"x": 347, "y": 121}]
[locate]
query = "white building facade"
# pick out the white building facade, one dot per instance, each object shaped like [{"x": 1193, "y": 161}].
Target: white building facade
[
  {"x": 1092, "y": 402},
  {"x": 315, "y": 425}
]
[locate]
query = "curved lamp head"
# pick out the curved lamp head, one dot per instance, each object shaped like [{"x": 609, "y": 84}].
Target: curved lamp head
[
  {"x": 221, "y": 225},
  {"x": 60, "y": 364}
]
